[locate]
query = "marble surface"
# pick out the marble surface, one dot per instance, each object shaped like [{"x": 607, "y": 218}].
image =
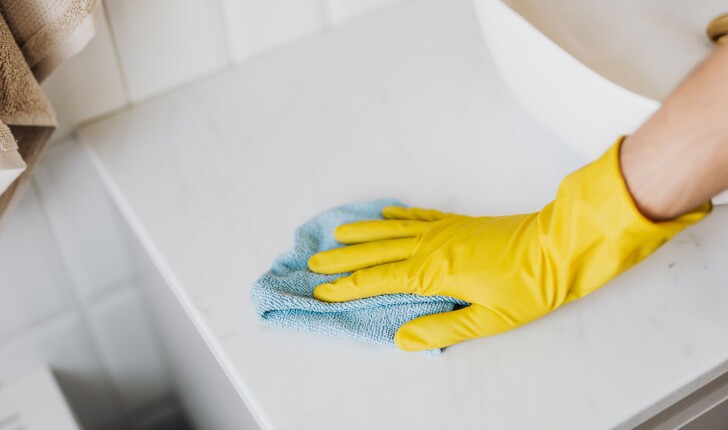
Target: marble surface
[{"x": 405, "y": 103}]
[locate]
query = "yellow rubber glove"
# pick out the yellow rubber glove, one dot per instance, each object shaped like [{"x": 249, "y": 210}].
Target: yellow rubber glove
[{"x": 513, "y": 269}]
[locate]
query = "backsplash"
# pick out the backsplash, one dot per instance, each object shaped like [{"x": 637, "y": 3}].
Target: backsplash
[{"x": 144, "y": 47}]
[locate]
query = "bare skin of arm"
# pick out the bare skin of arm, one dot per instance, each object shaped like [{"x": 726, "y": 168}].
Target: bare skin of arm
[{"x": 678, "y": 159}]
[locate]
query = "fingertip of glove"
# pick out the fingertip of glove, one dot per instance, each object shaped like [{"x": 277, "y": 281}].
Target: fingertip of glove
[
  {"x": 392, "y": 211},
  {"x": 315, "y": 264},
  {"x": 340, "y": 234},
  {"x": 406, "y": 341},
  {"x": 323, "y": 293},
  {"x": 312, "y": 263}
]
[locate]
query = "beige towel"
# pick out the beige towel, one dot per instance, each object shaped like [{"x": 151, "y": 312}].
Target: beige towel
[
  {"x": 50, "y": 31},
  {"x": 35, "y": 37}
]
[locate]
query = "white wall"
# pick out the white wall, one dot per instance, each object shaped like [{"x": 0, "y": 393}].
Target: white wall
[
  {"x": 69, "y": 298},
  {"x": 144, "y": 47},
  {"x": 69, "y": 290}
]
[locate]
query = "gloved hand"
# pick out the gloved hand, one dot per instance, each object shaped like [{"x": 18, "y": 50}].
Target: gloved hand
[{"x": 513, "y": 269}]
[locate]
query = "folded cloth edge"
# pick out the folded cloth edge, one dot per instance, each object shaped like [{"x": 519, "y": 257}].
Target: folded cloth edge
[{"x": 283, "y": 295}]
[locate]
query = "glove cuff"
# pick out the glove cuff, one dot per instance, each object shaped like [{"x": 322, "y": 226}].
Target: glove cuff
[
  {"x": 600, "y": 229},
  {"x": 623, "y": 206}
]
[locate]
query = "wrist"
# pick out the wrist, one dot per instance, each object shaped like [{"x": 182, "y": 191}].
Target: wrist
[
  {"x": 668, "y": 176},
  {"x": 677, "y": 160}
]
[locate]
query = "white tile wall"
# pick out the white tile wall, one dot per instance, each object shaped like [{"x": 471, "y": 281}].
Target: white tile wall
[
  {"x": 255, "y": 26},
  {"x": 68, "y": 297},
  {"x": 131, "y": 352},
  {"x": 33, "y": 281},
  {"x": 84, "y": 220},
  {"x": 63, "y": 343},
  {"x": 164, "y": 43},
  {"x": 88, "y": 85},
  {"x": 144, "y": 47}
]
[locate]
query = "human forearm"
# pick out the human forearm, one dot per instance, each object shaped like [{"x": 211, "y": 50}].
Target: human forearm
[{"x": 679, "y": 158}]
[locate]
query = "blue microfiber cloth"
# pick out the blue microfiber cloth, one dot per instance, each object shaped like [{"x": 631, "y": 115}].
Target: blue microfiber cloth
[{"x": 284, "y": 295}]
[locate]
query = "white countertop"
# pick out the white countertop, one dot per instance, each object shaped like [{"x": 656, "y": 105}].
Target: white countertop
[{"x": 406, "y": 103}]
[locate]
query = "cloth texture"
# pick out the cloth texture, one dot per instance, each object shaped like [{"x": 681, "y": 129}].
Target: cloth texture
[
  {"x": 283, "y": 296},
  {"x": 22, "y": 101},
  {"x": 49, "y": 32}
]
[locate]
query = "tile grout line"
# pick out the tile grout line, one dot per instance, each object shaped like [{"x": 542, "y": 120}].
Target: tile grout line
[
  {"x": 198, "y": 79},
  {"x": 223, "y": 25},
  {"x": 117, "y": 56},
  {"x": 37, "y": 324},
  {"x": 110, "y": 290},
  {"x": 115, "y": 393}
]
